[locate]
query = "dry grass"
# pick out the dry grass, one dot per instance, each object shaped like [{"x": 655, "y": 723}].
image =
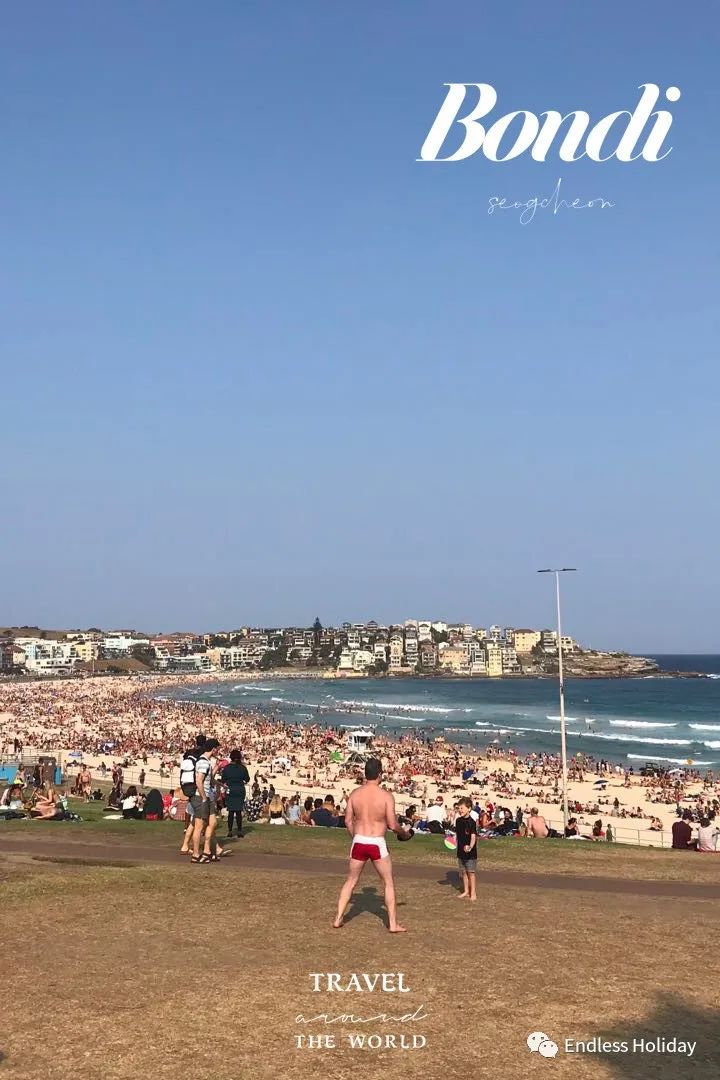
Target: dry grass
[{"x": 109, "y": 963}]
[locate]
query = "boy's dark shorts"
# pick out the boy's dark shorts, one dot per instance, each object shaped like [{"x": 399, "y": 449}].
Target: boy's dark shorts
[{"x": 468, "y": 865}]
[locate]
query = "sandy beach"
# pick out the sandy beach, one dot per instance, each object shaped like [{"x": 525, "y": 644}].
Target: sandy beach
[{"x": 117, "y": 720}]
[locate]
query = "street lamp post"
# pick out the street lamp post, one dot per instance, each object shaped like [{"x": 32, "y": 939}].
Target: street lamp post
[{"x": 563, "y": 745}]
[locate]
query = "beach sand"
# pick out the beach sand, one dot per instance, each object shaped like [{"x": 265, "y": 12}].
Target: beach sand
[{"x": 48, "y": 712}]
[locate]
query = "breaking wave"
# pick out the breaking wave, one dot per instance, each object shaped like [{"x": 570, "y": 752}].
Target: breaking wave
[
  {"x": 400, "y": 706},
  {"x": 669, "y": 760},
  {"x": 640, "y": 724}
]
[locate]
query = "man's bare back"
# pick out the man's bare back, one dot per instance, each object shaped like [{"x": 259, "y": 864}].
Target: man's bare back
[
  {"x": 370, "y": 811},
  {"x": 537, "y": 826}
]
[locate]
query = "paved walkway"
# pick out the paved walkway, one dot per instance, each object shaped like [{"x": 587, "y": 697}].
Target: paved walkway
[{"x": 89, "y": 851}]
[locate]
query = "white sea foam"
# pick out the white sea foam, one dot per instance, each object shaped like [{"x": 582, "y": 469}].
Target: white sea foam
[
  {"x": 396, "y": 705},
  {"x": 634, "y": 738},
  {"x": 705, "y": 727},
  {"x": 639, "y": 724},
  {"x": 670, "y": 760},
  {"x": 713, "y": 745}
]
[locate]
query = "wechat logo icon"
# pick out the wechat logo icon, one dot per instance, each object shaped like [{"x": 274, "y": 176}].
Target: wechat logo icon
[{"x": 539, "y": 1043}]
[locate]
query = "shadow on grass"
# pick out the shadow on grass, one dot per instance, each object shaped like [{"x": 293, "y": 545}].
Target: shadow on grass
[
  {"x": 673, "y": 1018},
  {"x": 451, "y": 880},
  {"x": 370, "y": 901},
  {"x": 72, "y": 860}
]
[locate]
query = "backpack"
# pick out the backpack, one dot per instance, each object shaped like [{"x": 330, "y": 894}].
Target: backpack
[{"x": 187, "y": 772}]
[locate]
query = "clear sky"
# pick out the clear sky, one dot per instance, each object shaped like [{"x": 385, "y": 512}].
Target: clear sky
[{"x": 259, "y": 364}]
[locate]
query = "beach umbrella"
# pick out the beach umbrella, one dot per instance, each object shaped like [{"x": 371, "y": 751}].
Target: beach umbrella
[{"x": 600, "y": 783}]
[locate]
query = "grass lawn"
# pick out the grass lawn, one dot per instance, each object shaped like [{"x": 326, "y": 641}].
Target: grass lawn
[
  {"x": 533, "y": 856},
  {"x": 195, "y": 972}
]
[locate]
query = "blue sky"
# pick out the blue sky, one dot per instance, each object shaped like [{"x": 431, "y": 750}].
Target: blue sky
[{"x": 260, "y": 364}]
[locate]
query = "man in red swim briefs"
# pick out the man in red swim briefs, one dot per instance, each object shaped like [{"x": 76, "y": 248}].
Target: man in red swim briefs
[{"x": 370, "y": 813}]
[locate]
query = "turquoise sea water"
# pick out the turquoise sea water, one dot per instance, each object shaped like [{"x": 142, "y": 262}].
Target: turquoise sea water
[{"x": 668, "y": 720}]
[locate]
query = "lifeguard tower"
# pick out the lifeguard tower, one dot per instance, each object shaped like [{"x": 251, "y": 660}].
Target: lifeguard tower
[{"x": 359, "y": 743}]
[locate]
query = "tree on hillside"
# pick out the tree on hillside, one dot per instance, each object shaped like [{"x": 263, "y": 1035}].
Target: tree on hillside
[
  {"x": 144, "y": 653},
  {"x": 273, "y": 658}
]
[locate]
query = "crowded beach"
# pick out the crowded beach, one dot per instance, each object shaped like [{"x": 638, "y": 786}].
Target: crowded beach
[{"x": 114, "y": 739}]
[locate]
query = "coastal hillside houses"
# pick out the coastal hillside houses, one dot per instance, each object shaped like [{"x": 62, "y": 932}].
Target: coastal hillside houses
[{"x": 415, "y": 646}]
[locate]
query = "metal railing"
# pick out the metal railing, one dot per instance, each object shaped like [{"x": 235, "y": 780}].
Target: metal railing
[{"x": 624, "y": 834}]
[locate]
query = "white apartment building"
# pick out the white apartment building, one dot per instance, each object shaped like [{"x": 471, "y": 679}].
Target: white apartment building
[
  {"x": 411, "y": 648},
  {"x": 380, "y": 651},
  {"x": 196, "y": 662},
  {"x": 121, "y": 644},
  {"x": 510, "y": 663},
  {"x": 476, "y": 661},
  {"x": 48, "y": 657},
  {"x": 356, "y": 660}
]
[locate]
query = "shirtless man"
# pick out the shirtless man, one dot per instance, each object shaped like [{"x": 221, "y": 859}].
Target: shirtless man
[
  {"x": 370, "y": 812},
  {"x": 85, "y": 783},
  {"x": 537, "y": 825}
]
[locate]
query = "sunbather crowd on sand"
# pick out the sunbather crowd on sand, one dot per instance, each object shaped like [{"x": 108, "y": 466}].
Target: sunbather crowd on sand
[{"x": 96, "y": 723}]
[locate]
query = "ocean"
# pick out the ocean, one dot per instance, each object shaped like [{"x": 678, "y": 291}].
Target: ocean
[{"x": 672, "y": 721}]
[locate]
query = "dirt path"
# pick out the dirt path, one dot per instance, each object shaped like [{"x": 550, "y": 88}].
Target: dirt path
[{"x": 89, "y": 852}]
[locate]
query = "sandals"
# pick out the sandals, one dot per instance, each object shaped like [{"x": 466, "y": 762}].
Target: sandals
[
  {"x": 220, "y": 855},
  {"x": 197, "y": 859}
]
